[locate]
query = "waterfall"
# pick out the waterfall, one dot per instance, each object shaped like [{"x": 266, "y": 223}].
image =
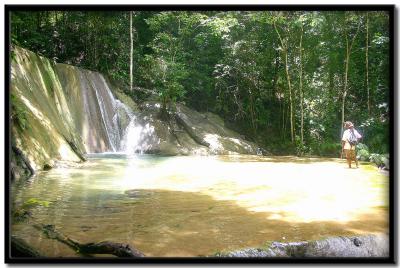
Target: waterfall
[
  {"x": 138, "y": 138},
  {"x": 112, "y": 125},
  {"x": 76, "y": 106},
  {"x": 111, "y": 130}
]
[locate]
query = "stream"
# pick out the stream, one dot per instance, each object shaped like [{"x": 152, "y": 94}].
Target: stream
[{"x": 201, "y": 205}]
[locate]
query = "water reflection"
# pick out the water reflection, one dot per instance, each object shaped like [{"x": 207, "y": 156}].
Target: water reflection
[{"x": 188, "y": 206}]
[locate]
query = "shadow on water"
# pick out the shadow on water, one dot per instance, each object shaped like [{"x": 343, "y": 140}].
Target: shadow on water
[{"x": 177, "y": 223}]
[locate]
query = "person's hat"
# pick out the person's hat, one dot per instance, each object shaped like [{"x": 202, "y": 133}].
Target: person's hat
[{"x": 348, "y": 124}]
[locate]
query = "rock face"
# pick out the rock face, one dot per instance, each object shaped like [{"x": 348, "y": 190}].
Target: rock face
[
  {"x": 60, "y": 112},
  {"x": 208, "y": 130},
  {"x": 188, "y": 132},
  {"x": 356, "y": 246},
  {"x": 42, "y": 124},
  {"x": 98, "y": 117}
]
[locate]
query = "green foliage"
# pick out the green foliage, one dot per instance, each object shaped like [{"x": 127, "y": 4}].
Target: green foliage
[
  {"x": 362, "y": 152},
  {"x": 301, "y": 148},
  {"x": 234, "y": 63},
  {"x": 381, "y": 160},
  {"x": 363, "y": 155},
  {"x": 376, "y": 135},
  {"x": 13, "y": 55},
  {"x": 330, "y": 149},
  {"x": 18, "y": 113},
  {"x": 23, "y": 212},
  {"x": 34, "y": 202}
]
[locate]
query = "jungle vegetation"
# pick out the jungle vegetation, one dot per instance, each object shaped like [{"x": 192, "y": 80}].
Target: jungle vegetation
[{"x": 284, "y": 79}]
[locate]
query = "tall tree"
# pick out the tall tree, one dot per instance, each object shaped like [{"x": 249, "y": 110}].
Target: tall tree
[
  {"x": 285, "y": 50},
  {"x": 366, "y": 66},
  {"x": 131, "y": 52},
  {"x": 349, "y": 46},
  {"x": 301, "y": 84}
]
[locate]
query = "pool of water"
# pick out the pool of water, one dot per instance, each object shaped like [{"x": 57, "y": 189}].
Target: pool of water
[{"x": 198, "y": 206}]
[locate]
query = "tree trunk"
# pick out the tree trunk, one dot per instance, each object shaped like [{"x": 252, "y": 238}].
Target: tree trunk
[
  {"x": 345, "y": 89},
  {"x": 105, "y": 247},
  {"x": 283, "y": 119},
  {"x": 301, "y": 89},
  {"x": 95, "y": 51},
  {"x": 131, "y": 53},
  {"x": 285, "y": 51},
  {"x": 346, "y": 69},
  {"x": 253, "y": 116},
  {"x": 290, "y": 97},
  {"x": 276, "y": 75}
]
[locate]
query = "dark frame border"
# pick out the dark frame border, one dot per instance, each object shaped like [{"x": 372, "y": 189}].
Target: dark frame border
[{"x": 393, "y": 173}]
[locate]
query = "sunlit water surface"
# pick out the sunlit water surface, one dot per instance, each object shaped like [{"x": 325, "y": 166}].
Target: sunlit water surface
[{"x": 197, "y": 206}]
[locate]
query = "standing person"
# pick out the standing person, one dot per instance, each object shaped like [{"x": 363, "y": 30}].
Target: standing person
[{"x": 349, "y": 141}]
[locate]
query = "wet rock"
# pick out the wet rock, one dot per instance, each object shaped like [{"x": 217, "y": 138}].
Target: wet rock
[
  {"x": 20, "y": 167},
  {"x": 359, "y": 246},
  {"x": 357, "y": 242},
  {"x": 252, "y": 252},
  {"x": 36, "y": 86},
  {"x": 47, "y": 167},
  {"x": 189, "y": 132},
  {"x": 210, "y": 131}
]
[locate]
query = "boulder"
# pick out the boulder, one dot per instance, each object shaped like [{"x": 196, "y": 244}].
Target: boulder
[
  {"x": 208, "y": 130},
  {"x": 188, "y": 132},
  {"x": 354, "y": 246}
]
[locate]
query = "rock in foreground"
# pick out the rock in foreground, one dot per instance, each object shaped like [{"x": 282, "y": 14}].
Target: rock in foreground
[{"x": 356, "y": 246}]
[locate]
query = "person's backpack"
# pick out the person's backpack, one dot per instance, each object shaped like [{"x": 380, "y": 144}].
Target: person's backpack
[{"x": 353, "y": 139}]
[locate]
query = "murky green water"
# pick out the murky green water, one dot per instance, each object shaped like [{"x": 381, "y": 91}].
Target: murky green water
[{"x": 191, "y": 206}]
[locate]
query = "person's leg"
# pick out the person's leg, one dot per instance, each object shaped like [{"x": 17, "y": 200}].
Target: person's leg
[
  {"x": 348, "y": 157},
  {"x": 355, "y": 158}
]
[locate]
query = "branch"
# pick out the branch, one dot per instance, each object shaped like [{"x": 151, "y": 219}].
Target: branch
[
  {"x": 116, "y": 249},
  {"x": 354, "y": 37},
  {"x": 279, "y": 36}
]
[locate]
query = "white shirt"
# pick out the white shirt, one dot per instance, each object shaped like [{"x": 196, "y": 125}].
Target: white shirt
[{"x": 346, "y": 137}]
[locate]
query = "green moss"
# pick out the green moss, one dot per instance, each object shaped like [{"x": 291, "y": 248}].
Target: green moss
[
  {"x": 126, "y": 100},
  {"x": 34, "y": 202},
  {"x": 18, "y": 113},
  {"x": 41, "y": 117},
  {"x": 13, "y": 55},
  {"x": 267, "y": 245},
  {"x": 38, "y": 142},
  {"x": 48, "y": 83},
  {"x": 23, "y": 212}
]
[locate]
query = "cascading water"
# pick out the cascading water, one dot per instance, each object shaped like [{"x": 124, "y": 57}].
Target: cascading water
[
  {"x": 114, "y": 126},
  {"x": 137, "y": 138},
  {"x": 111, "y": 129},
  {"x": 132, "y": 133}
]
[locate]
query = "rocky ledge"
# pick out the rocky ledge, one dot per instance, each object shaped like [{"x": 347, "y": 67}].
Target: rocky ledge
[{"x": 376, "y": 245}]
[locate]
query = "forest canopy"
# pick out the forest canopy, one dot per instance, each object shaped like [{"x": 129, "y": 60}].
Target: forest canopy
[{"x": 284, "y": 79}]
